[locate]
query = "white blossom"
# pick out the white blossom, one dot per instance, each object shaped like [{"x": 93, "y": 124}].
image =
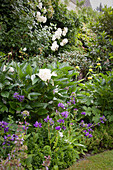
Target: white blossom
[
  {"x": 11, "y": 69},
  {"x": 65, "y": 30},
  {"x": 64, "y": 41},
  {"x": 61, "y": 134},
  {"x": 24, "y": 49},
  {"x": 58, "y": 33},
  {"x": 54, "y": 46},
  {"x": 45, "y": 74},
  {"x": 54, "y": 74},
  {"x": 40, "y": 5},
  {"x": 38, "y": 14},
  {"x": 44, "y": 10}
]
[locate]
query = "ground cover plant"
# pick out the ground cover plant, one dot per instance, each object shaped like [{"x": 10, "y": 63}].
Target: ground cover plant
[{"x": 56, "y": 84}]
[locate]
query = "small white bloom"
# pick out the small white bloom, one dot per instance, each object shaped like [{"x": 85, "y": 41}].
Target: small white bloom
[
  {"x": 64, "y": 41},
  {"x": 40, "y": 5},
  {"x": 45, "y": 74},
  {"x": 44, "y": 10},
  {"x": 24, "y": 49},
  {"x": 53, "y": 38},
  {"x": 54, "y": 46},
  {"x": 65, "y": 30},
  {"x": 58, "y": 33},
  {"x": 38, "y": 14},
  {"x": 61, "y": 134},
  {"x": 11, "y": 69}
]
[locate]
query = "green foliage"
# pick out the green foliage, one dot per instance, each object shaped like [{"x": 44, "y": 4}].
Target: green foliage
[
  {"x": 102, "y": 140},
  {"x": 96, "y": 96}
]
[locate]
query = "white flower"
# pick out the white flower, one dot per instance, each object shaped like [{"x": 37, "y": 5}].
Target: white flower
[
  {"x": 54, "y": 46},
  {"x": 41, "y": 19},
  {"x": 58, "y": 33},
  {"x": 40, "y": 5},
  {"x": 38, "y": 14},
  {"x": 45, "y": 74},
  {"x": 64, "y": 41},
  {"x": 24, "y": 49},
  {"x": 61, "y": 134},
  {"x": 65, "y": 30},
  {"x": 44, "y": 10},
  {"x": 53, "y": 38},
  {"x": 11, "y": 69}
]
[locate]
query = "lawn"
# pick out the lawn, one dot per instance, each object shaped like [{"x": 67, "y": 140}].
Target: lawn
[{"x": 101, "y": 161}]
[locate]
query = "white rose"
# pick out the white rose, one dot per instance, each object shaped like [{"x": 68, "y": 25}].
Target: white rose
[
  {"x": 53, "y": 38},
  {"x": 45, "y": 74},
  {"x": 58, "y": 33},
  {"x": 24, "y": 49},
  {"x": 65, "y": 30}
]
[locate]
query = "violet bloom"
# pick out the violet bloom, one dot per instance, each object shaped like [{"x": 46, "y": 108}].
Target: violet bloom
[
  {"x": 38, "y": 124},
  {"x": 51, "y": 121},
  {"x": 90, "y": 130},
  {"x": 90, "y": 136},
  {"x": 87, "y": 134},
  {"x": 83, "y": 113},
  {"x": 61, "y": 105},
  {"x": 75, "y": 109},
  {"x": 64, "y": 114},
  {"x": 71, "y": 123},
  {"x": 47, "y": 119},
  {"x": 18, "y": 97},
  {"x": 57, "y": 127},
  {"x": 60, "y": 121},
  {"x": 6, "y": 129},
  {"x": 63, "y": 127}
]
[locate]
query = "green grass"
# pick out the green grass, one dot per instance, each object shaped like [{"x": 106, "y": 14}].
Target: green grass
[{"x": 102, "y": 161}]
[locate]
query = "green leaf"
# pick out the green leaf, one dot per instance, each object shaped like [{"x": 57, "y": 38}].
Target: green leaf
[
  {"x": 29, "y": 70},
  {"x": 4, "y": 109},
  {"x": 5, "y": 94},
  {"x": 33, "y": 95}
]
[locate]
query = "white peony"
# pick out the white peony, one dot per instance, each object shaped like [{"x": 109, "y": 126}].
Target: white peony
[
  {"x": 45, "y": 74},
  {"x": 64, "y": 41},
  {"x": 65, "y": 30},
  {"x": 54, "y": 46}
]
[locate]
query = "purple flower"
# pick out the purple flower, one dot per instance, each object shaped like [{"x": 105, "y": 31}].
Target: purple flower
[
  {"x": 71, "y": 123},
  {"x": 83, "y": 113},
  {"x": 90, "y": 136},
  {"x": 90, "y": 130},
  {"x": 61, "y": 105},
  {"x": 87, "y": 134},
  {"x": 75, "y": 109},
  {"x": 18, "y": 97},
  {"x": 84, "y": 131},
  {"x": 3, "y": 143},
  {"x": 47, "y": 119},
  {"x": 51, "y": 121},
  {"x": 38, "y": 124},
  {"x": 57, "y": 127},
  {"x": 63, "y": 127},
  {"x": 9, "y": 135},
  {"x": 89, "y": 124},
  {"x": 5, "y": 137},
  {"x": 64, "y": 114},
  {"x": 60, "y": 121},
  {"x": 6, "y": 129}
]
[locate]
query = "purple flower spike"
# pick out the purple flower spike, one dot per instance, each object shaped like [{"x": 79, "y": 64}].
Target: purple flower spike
[
  {"x": 46, "y": 120},
  {"x": 38, "y": 124},
  {"x": 83, "y": 113},
  {"x": 57, "y": 127}
]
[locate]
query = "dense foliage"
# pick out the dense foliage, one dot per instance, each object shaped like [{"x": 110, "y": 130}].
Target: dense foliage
[{"x": 56, "y": 83}]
